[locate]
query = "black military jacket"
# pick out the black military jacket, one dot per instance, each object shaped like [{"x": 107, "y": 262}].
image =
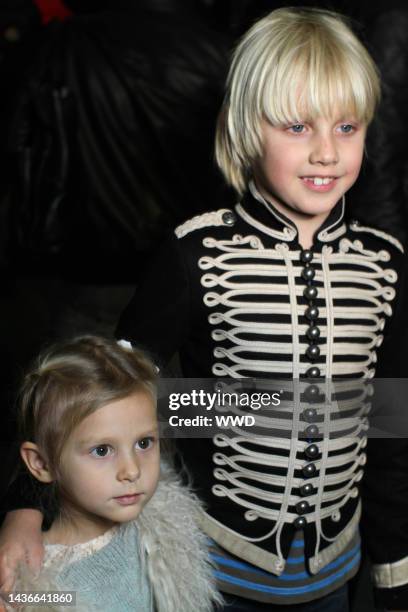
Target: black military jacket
[{"x": 237, "y": 296}]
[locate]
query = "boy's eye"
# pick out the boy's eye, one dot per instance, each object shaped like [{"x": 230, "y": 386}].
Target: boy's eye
[
  {"x": 297, "y": 128},
  {"x": 347, "y": 128},
  {"x": 101, "y": 451},
  {"x": 145, "y": 443}
]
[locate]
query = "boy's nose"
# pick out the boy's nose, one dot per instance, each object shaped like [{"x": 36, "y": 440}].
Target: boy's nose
[
  {"x": 324, "y": 151},
  {"x": 128, "y": 468}
]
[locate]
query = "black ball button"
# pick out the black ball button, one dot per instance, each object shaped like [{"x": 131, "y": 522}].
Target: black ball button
[
  {"x": 310, "y": 292},
  {"x": 313, "y": 372},
  {"x": 306, "y": 256},
  {"x": 300, "y": 522},
  {"x": 229, "y": 218},
  {"x": 311, "y": 431},
  {"x": 308, "y": 273},
  {"x": 313, "y": 332},
  {"x": 312, "y": 393},
  {"x": 302, "y": 507},
  {"x": 309, "y": 470},
  {"x": 313, "y": 351},
  {"x": 309, "y": 414},
  {"x": 312, "y": 451},
  {"x": 306, "y": 489},
  {"x": 312, "y": 312}
]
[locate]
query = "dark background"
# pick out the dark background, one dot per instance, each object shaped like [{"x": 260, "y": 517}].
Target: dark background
[{"x": 107, "y": 115}]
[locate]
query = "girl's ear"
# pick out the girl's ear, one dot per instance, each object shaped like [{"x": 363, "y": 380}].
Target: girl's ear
[{"x": 35, "y": 462}]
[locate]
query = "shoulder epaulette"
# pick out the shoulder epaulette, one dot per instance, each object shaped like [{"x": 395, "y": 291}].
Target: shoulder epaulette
[
  {"x": 357, "y": 227},
  {"x": 224, "y": 216}
]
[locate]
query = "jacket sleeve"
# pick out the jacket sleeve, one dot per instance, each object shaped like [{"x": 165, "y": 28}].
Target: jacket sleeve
[
  {"x": 157, "y": 317},
  {"x": 23, "y": 491},
  {"x": 385, "y": 484}
]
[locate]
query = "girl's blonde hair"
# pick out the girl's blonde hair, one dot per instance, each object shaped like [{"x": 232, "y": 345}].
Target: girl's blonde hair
[
  {"x": 294, "y": 64},
  {"x": 70, "y": 381}
]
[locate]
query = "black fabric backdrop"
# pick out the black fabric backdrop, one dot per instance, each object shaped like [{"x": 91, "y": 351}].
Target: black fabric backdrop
[{"x": 107, "y": 124}]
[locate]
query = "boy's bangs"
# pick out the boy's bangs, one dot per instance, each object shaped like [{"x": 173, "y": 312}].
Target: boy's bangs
[{"x": 303, "y": 92}]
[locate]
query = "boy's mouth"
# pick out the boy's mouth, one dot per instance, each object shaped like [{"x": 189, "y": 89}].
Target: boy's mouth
[
  {"x": 319, "y": 180},
  {"x": 319, "y": 183}
]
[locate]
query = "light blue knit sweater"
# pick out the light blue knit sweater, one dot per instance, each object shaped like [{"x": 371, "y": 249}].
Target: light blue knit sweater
[{"x": 106, "y": 573}]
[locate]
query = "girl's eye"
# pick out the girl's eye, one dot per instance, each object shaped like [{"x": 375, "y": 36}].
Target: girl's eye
[
  {"x": 145, "y": 443},
  {"x": 347, "y": 128},
  {"x": 101, "y": 451}
]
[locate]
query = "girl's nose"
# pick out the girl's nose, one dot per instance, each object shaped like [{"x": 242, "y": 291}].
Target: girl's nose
[
  {"x": 129, "y": 468},
  {"x": 324, "y": 151}
]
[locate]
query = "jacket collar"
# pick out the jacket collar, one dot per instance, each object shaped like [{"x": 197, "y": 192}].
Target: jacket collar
[{"x": 263, "y": 215}]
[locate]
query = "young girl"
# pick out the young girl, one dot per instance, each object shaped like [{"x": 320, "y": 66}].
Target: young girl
[
  {"x": 124, "y": 538},
  {"x": 283, "y": 287}
]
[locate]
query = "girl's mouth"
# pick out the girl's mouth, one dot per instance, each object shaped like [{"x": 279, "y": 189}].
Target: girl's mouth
[{"x": 128, "y": 500}]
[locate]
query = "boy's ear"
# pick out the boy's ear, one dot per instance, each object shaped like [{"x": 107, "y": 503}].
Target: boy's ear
[{"x": 35, "y": 462}]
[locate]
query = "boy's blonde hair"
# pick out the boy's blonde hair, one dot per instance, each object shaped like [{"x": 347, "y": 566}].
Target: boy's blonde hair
[
  {"x": 72, "y": 380},
  {"x": 293, "y": 65}
]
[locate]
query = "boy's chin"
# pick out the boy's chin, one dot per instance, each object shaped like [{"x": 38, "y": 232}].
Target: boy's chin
[
  {"x": 312, "y": 207},
  {"x": 307, "y": 204}
]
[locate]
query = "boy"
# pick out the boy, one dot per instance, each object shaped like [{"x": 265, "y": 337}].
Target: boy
[
  {"x": 282, "y": 287},
  {"x": 279, "y": 287}
]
